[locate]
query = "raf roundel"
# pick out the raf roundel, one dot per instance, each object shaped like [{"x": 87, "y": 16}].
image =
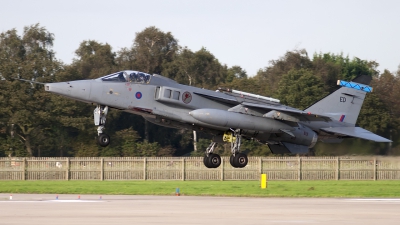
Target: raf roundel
[
  {"x": 138, "y": 95},
  {"x": 186, "y": 97}
]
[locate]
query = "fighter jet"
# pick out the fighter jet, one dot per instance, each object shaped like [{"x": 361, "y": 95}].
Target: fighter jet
[{"x": 229, "y": 115}]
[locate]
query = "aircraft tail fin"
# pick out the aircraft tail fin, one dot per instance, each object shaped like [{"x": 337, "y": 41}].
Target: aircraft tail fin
[{"x": 344, "y": 104}]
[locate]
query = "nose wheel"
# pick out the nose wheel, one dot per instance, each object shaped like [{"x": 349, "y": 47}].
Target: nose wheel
[
  {"x": 100, "y": 113},
  {"x": 103, "y": 140}
]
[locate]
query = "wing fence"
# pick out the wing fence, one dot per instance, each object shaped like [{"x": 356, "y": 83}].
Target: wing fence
[{"x": 192, "y": 168}]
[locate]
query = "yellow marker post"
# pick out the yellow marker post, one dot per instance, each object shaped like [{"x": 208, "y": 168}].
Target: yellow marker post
[{"x": 263, "y": 181}]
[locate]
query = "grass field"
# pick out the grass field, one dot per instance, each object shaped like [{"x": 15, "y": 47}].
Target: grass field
[{"x": 210, "y": 188}]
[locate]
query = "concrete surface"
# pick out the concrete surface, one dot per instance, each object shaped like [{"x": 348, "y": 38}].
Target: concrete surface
[{"x": 117, "y": 209}]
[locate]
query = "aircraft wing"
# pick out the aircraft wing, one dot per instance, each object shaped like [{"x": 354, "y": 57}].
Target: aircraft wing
[
  {"x": 357, "y": 132},
  {"x": 302, "y": 115},
  {"x": 273, "y": 107},
  {"x": 228, "y": 99}
]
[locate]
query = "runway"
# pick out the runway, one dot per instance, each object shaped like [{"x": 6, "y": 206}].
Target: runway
[{"x": 45, "y": 209}]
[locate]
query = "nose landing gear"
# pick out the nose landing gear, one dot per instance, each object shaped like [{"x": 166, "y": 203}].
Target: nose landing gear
[
  {"x": 100, "y": 113},
  {"x": 103, "y": 140}
]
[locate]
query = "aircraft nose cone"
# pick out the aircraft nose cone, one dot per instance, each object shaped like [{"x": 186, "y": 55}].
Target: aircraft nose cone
[{"x": 78, "y": 90}]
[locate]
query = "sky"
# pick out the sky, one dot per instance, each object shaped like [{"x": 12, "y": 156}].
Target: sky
[{"x": 247, "y": 33}]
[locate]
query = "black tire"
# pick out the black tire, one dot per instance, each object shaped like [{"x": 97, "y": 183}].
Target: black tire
[
  {"x": 103, "y": 140},
  {"x": 205, "y": 161},
  {"x": 232, "y": 161},
  {"x": 214, "y": 160},
  {"x": 241, "y": 160}
]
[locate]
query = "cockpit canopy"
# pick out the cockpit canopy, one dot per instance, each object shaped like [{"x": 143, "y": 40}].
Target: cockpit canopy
[{"x": 128, "y": 76}]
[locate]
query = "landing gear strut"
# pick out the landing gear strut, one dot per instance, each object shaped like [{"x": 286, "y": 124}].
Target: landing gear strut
[
  {"x": 100, "y": 113},
  {"x": 237, "y": 159}
]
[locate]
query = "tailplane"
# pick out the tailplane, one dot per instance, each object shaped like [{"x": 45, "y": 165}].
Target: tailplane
[{"x": 344, "y": 104}]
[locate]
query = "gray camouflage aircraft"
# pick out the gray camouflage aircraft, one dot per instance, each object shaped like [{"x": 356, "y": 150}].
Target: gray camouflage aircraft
[{"x": 228, "y": 115}]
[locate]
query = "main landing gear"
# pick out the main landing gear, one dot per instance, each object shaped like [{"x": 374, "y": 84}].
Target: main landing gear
[
  {"x": 211, "y": 160},
  {"x": 100, "y": 113},
  {"x": 237, "y": 160}
]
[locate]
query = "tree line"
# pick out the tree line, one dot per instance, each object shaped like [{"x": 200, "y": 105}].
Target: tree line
[{"x": 36, "y": 123}]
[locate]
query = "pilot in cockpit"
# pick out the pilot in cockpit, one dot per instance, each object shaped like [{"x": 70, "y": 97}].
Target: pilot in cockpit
[
  {"x": 134, "y": 77},
  {"x": 146, "y": 79},
  {"x": 121, "y": 77},
  {"x": 141, "y": 78}
]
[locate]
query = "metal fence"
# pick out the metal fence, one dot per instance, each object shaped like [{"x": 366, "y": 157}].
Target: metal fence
[{"x": 192, "y": 168}]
